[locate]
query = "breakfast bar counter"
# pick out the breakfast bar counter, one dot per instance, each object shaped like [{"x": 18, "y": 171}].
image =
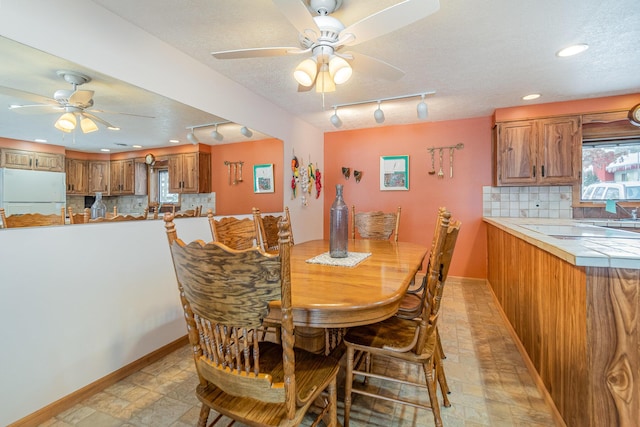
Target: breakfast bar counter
[{"x": 571, "y": 292}]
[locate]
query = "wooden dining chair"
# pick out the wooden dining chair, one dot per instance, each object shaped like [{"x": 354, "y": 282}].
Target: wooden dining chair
[
  {"x": 234, "y": 232},
  {"x": 268, "y": 229},
  {"x": 79, "y": 218},
  {"x": 376, "y": 225},
  {"x": 408, "y": 340},
  {"x": 31, "y": 219},
  {"x": 121, "y": 217},
  {"x": 225, "y": 294}
]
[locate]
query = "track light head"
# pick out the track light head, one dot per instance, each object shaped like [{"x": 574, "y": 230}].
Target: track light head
[
  {"x": 422, "y": 109},
  {"x": 246, "y": 131},
  {"x": 335, "y": 120},
  {"x": 379, "y": 114},
  {"x": 192, "y": 138},
  {"x": 217, "y": 135}
]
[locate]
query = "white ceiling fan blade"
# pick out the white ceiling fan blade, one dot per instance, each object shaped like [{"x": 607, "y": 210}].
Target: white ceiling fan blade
[
  {"x": 81, "y": 97},
  {"x": 390, "y": 19},
  {"x": 93, "y": 110},
  {"x": 37, "y": 109},
  {"x": 375, "y": 67},
  {"x": 98, "y": 119},
  {"x": 297, "y": 13},
  {"x": 258, "y": 52},
  {"x": 15, "y": 93}
]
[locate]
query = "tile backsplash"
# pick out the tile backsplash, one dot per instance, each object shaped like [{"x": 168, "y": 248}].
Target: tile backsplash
[
  {"x": 136, "y": 204},
  {"x": 527, "y": 202}
]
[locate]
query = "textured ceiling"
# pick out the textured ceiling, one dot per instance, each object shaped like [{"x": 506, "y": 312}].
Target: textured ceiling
[{"x": 477, "y": 56}]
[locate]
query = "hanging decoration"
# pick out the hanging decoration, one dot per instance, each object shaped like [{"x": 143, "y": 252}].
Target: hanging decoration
[
  {"x": 295, "y": 176},
  {"x": 303, "y": 173},
  {"x": 318, "y": 179}
]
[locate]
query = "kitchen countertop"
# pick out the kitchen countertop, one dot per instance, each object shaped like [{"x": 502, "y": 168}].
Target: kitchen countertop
[{"x": 580, "y": 242}]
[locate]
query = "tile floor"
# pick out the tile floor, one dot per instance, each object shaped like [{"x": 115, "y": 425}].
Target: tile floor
[{"x": 490, "y": 385}]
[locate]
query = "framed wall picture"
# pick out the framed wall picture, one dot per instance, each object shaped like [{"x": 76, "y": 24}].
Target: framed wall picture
[
  {"x": 394, "y": 172},
  {"x": 263, "y": 178}
]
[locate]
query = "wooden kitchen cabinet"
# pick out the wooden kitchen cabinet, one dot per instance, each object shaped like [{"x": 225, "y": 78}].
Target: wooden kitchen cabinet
[
  {"x": 77, "y": 176},
  {"x": 538, "y": 152},
  {"x": 128, "y": 178},
  {"x": 190, "y": 173},
  {"x": 99, "y": 176},
  {"x": 31, "y": 160}
]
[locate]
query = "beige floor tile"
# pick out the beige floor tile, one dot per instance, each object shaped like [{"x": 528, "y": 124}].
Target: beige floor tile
[{"x": 489, "y": 382}]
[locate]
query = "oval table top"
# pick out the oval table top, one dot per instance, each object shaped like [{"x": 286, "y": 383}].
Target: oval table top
[{"x": 326, "y": 296}]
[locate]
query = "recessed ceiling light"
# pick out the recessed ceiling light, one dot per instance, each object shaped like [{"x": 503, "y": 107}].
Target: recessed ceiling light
[
  {"x": 531, "y": 96},
  {"x": 572, "y": 50},
  {"x": 106, "y": 150},
  {"x": 113, "y": 128},
  {"x": 174, "y": 141},
  {"x": 40, "y": 140},
  {"x": 137, "y": 146}
]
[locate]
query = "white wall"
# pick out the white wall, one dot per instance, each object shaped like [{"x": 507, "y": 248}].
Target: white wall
[{"x": 80, "y": 302}]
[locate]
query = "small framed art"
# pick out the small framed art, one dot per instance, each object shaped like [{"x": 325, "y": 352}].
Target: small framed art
[
  {"x": 263, "y": 178},
  {"x": 394, "y": 172}
]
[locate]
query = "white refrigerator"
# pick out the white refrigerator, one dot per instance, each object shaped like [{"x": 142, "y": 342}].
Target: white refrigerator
[{"x": 27, "y": 191}]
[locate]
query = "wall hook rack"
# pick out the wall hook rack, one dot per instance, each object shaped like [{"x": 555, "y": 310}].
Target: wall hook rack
[
  {"x": 234, "y": 172},
  {"x": 441, "y": 149}
]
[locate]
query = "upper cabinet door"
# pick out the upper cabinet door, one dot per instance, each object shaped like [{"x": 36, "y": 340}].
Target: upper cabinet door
[
  {"x": 516, "y": 153},
  {"x": 538, "y": 152},
  {"x": 559, "y": 148}
]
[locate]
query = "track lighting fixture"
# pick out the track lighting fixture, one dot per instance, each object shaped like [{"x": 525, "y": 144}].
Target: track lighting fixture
[
  {"x": 422, "y": 109},
  {"x": 217, "y": 135},
  {"x": 335, "y": 120},
  {"x": 246, "y": 131},
  {"x": 192, "y": 138},
  {"x": 379, "y": 114}
]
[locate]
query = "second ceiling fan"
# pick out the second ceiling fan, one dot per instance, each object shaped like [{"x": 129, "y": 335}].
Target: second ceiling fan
[{"x": 324, "y": 36}]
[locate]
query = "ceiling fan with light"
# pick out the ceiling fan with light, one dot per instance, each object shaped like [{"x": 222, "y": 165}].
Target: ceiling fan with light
[
  {"x": 74, "y": 105},
  {"x": 324, "y": 36}
]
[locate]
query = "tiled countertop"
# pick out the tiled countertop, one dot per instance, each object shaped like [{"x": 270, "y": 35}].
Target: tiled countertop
[{"x": 579, "y": 242}]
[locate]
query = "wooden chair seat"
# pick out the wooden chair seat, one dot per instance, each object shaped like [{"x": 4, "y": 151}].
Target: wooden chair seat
[{"x": 311, "y": 372}]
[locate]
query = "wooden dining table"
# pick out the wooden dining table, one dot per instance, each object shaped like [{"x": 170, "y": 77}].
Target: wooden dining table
[{"x": 328, "y": 296}]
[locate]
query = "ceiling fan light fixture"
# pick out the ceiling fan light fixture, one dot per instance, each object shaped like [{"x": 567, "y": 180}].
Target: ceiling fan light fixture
[
  {"x": 340, "y": 70},
  {"x": 324, "y": 82},
  {"x": 335, "y": 120},
  {"x": 379, "y": 114},
  {"x": 87, "y": 125},
  {"x": 246, "y": 131},
  {"x": 305, "y": 72},
  {"x": 66, "y": 123},
  {"x": 422, "y": 109},
  {"x": 192, "y": 138}
]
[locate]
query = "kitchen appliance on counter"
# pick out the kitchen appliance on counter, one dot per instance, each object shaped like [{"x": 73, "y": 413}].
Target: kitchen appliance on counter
[{"x": 28, "y": 191}]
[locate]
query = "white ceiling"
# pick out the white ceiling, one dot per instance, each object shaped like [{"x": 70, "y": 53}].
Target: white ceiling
[{"x": 476, "y": 55}]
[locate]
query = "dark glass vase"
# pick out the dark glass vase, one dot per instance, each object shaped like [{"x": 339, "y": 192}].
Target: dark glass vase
[
  {"x": 98, "y": 209},
  {"x": 338, "y": 226}
]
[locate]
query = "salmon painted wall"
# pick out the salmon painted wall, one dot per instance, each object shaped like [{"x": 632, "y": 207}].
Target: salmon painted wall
[
  {"x": 239, "y": 198},
  {"x": 462, "y": 195}
]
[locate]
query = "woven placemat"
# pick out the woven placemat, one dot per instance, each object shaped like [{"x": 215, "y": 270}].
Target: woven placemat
[{"x": 351, "y": 260}]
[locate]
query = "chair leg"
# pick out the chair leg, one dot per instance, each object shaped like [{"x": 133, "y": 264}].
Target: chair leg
[
  {"x": 428, "y": 367},
  {"x": 348, "y": 383},
  {"x": 442, "y": 380},
  {"x": 333, "y": 401},
  {"x": 204, "y": 415},
  {"x": 440, "y": 349}
]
